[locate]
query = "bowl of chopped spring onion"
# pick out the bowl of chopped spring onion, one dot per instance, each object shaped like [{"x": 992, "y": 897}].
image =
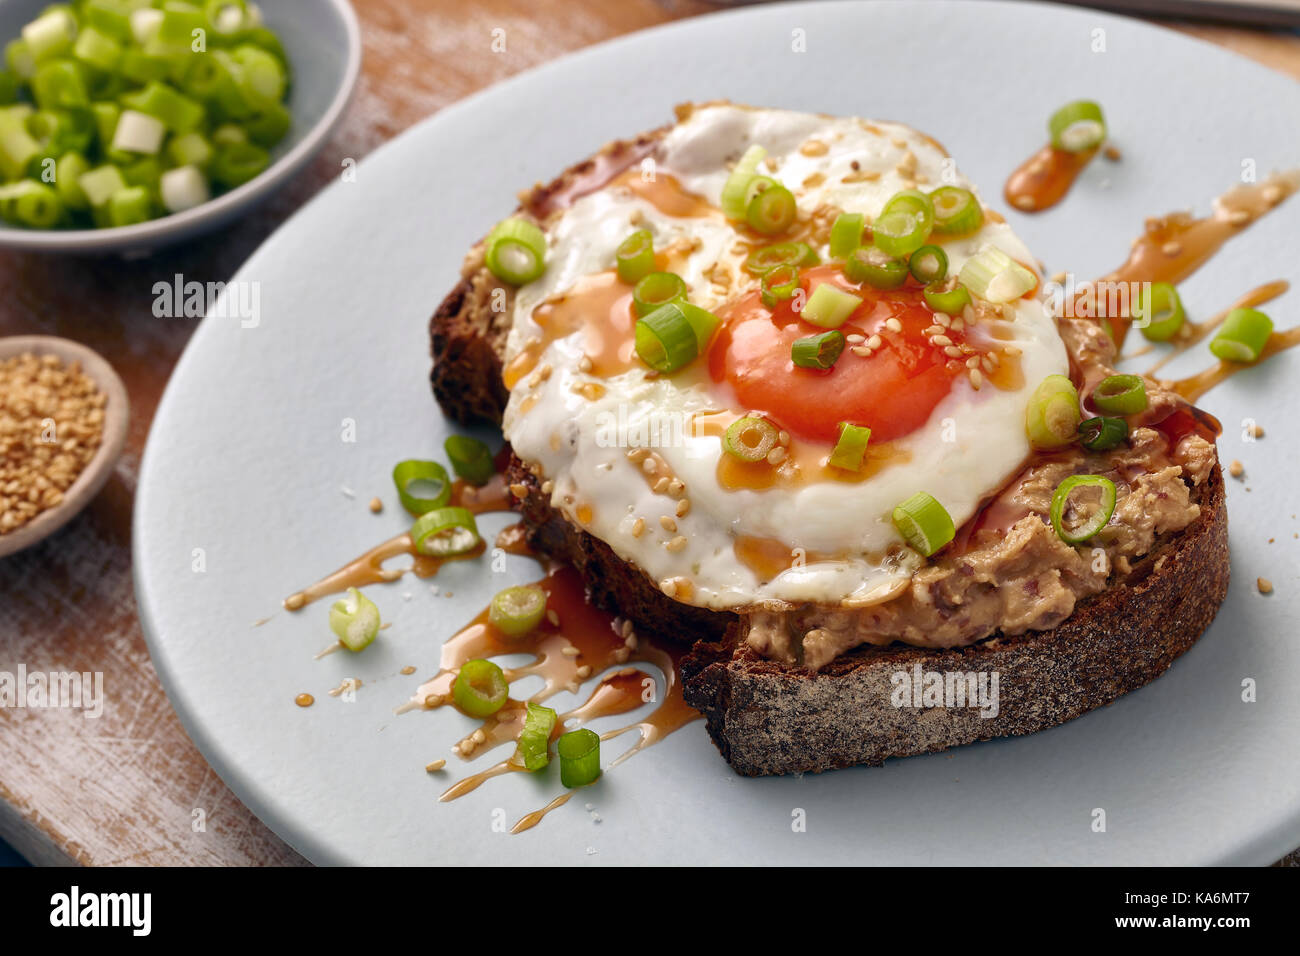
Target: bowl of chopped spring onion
[{"x": 129, "y": 125}]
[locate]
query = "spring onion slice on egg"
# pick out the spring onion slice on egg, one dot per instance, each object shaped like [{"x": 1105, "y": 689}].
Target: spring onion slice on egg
[
  {"x": 764, "y": 260},
  {"x": 1243, "y": 336},
  {"x": 875, "y": 267},
  {"x": 735, "y": 191},
  {"x": 851, "y": 447},
  {"x": 665, "y": 339},
  {"x": 750, "y": 438},
  {"x": 928, "y": 264},
  {"x": 778, "y": 284},
  {"x": 994, "y": 276},
  {"x": 1098, "y": 519},
  {"x": 829, "y": 307},
  {"x": 772, "y": 211},
  {"x": 924, "y": 523},
  {"x": 956, "y": 211},
  {"x": 818, "y": 351},
  {"x": 949, "y": 301},
  {"x": 635, "y": 256},
  {"x": 846, "y": 234},
  {"x": 655, "y": 290}
]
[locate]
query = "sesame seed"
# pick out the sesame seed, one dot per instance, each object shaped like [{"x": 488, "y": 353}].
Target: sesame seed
[
  {"x": 622, "y": 654},
  {"x": 519, "y": 489},
  {"x": 1011, "y": 351},
  {"x": 875, "y": 342},
  {"x": 548, "y": 486},
  {"x": 976, "y": 379},
  {"x": 893, "y": 324},
  {"x": 783, "y": 437},
  {"x": 1265, "y": 585},
  {"x": 433, "y": 700},
  {"x": 584, "y": 364},
  {"x": 861, "y": 351},
  {"x": 638, "y": 527},
  {"x": 776, "y": 455},
  {"x": 1239, "y": 217},
  {"x": 676, "y": 487},
  {"x": 941, "y": 340},
  {"x": 649, "y": 466},
  {"x": 630, "y": 642},
  {"x": 1112, "y": 153},
  {"x": 435, "y": 766},
  {"x": 958, "y": 325},
  {"x": 986, "y": 363},
  {"x": 1172, "y": 248},
  {"x": 972, "y": 362},
  {"x": 667, "y": 523},
  {"x": 1236, "y": 469},
  {"x": 376, "y": 506},
  {"x": 1272, "y": 194},
  {"x": 952, "y": 351},
  {"x": 636, "y": 455},
  {"x": 479, "y": 736},
  {"x": 584, "y": 672},
  {"x": 943, "y": 319},
  {"x": 626, "y": 629},
  {"x": 568, "y": 650},
  {"x": 553, "y": 618},
  {"x": 1256, "y": 431},
  {"x": 683, "y": 507},
  {"x": 933, "y": 329},
  {"x": 854, "y": 338},
  {"x": 668, "y": 586},
  {"x": 676, "y": 544},
  {"x": 661, "y": 485}
]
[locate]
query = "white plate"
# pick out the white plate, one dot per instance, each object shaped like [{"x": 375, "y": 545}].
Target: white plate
[{"x": 246, "y": 462}]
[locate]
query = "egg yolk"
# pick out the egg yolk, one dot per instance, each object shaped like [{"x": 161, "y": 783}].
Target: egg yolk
[{"x": 893, "y": 391}]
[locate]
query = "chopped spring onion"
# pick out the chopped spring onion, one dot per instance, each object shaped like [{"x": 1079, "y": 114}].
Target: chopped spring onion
[
  {"x": 763, "y": 260},
  {"x": 470, "y": 459},
  {"x": 995, "y": 277},
  {"x": 1077, "y": 126},
  {"x": 735, "y": 191},
  {"x": 579, "y": 752},
  {"x": 818, "y": 351},
  {"x": 1102, "y": 433},
  {"x": 109, "y": 17},
  {"x": 899, "y": 233},
  {"x": 665, "y": 339},
  {"x": 924, "y": 523},
  {"x": 750, "y": 438},
  {"x": 1090, "y": 526},
  {"x": 237, "y": 163},
  {"x": 445, "y": 532},
  {"x": 876, "y": 268},
  {"x": 268, "y": 123},
  {"x": 31, "y": 204},
  {"x": 778, "y": 284},
  {"x": 67, "y": 175},
  {"x": 518, "y": 610},
  {"x": 1243, "y": 336},
  {"x": 656, "y": 290},
  {"x": 1052, "y": 415},
  {"x": 911, "y": 201},
  {"x": 1120, "y": 395},
  {"x": 516, "y": 251},
  {"x": 533, "y": 748},
  {"x": 145, "y": 24},
  {"x": 846, "y": 234},
  {"x": 851, "y": 447},
  {"x": 138, "y": 133},
  {"x": 354, "y": 620},
  {"x": 17, "y": 148},
  {"x": 190, "y": 149},
  {"x": 129, "y": 206},
  {"x": 100, "y": 184},
  {"x": 829, "y": 307},
  {"x": 407, "y": 473},
  {"x": 928, "y": 264},
  {"x": 59, "y": 85},
  {"x": 1159, "y": 313},
  {"x": 51, "y": 34},
  {"x": 703, "y": 322},
  {"x": 949, "y": 301},
  {"x": 183, "y": 188},
  {"x": 635, "y": 257},
  {"x": 956, "y": 211},
  {"x": 772, "y": 211},
  {"x": 480, "y": 689},
  {"x": 178, "y": 112},
  {"x": 97, "y": 49}
]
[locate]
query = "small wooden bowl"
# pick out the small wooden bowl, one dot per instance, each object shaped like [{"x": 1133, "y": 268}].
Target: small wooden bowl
[{"x": 96, "y": 472}]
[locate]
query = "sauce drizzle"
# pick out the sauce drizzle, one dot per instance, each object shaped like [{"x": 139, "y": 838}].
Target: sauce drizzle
[{"x": 1042, "y": 181}]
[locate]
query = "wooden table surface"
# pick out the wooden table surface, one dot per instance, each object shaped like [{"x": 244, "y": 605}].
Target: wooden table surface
[{"x": 124, "y": 788}]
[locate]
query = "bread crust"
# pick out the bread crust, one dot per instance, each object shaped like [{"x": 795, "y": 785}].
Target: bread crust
[{"x": 770, "y": 718}]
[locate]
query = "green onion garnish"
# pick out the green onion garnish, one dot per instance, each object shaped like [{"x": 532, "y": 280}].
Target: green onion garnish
[
  {"x": 829, "y": 307},
  {"x": 635, "y": 256},
  {"x": 445, "y": 532},
  {"x": 533, "y": 747},
  {"x": 735, "y": 191},
  {"x": 516, "y": 251},
  {"x": 237, "y": 163},
  {"x": 354, "y": 620},
  {"x": 772, "y": 211},
  {"x": 1077, "y": 126},
  {"x": 750, "y": 438},
  {"x": 1092, "y": 525},
  {"x": 949, "y": 301},
  {"x": 1159, "y": 313},
  {"x": 846, "y": 234},
  {"x": 778, "y": 284},
  {"x": 956, "y": 211},
  {"x": 665, "y": 339},
  {"x": 1120, "y": 395},
  {"x": 911, "y": 201},
  {"x": 924, "y": 523},
  {"x": 703, "y": 323},
  {"x": 1052, "y": 415},
  {"x": 1102, "y": 433},
  {"x": 656, "y": 290},
  {"x": 579, "y": 752},
  {"x": 995, "y": 277},
  {"x": 928, "y": 264},
  {"x": 480, "y": 689},
  {"x": 470, "y": 459},
  {"x": 899, "y": 233},
  {"x": 406, "y": 473},
  {"x": 851, "y": 447},
  {"x": 32, "y": 204},
  {"x": 761, "y": 261},
  {"x": 818, "y": 351},
  {"x": 875, "y": 267},
  {"x": 518, "y": 610},
  {"x": 1243, "y": 336}
]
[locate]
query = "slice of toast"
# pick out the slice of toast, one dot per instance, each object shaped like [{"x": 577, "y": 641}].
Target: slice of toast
[{"x": 769, "y": 718}]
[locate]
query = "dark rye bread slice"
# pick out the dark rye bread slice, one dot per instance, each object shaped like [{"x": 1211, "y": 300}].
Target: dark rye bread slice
[{"x": 771, "y": 718}]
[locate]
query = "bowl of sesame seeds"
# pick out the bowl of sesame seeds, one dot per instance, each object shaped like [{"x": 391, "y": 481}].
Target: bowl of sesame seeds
[{"x": 63, "y": 418}]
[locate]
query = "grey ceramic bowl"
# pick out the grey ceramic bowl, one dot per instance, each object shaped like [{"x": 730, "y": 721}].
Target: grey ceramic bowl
[{"x": 323, "y": 42}]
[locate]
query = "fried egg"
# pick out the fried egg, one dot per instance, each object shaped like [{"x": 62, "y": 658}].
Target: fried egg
[{"x": 637, "y": 458}]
